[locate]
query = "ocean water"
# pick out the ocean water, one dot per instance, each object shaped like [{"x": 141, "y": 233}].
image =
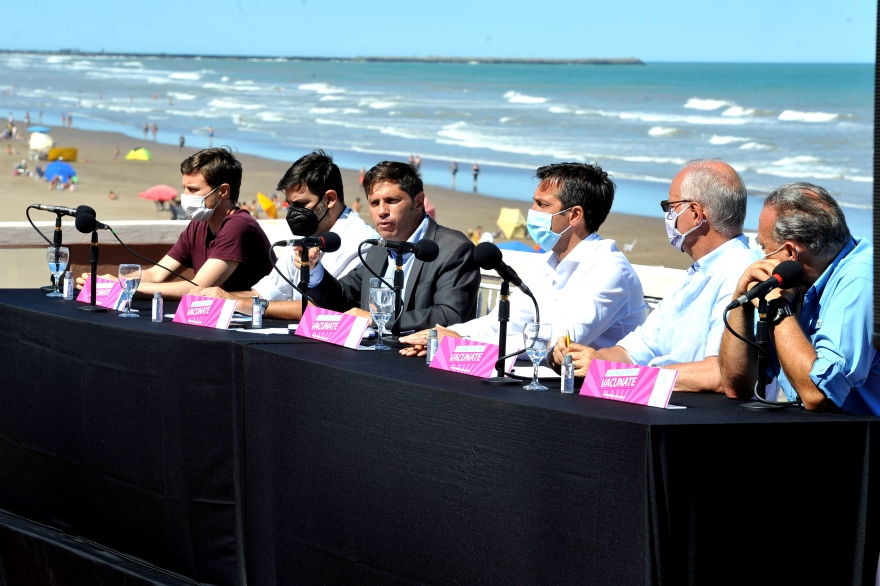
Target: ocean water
[{"x": 773, "y": 123}]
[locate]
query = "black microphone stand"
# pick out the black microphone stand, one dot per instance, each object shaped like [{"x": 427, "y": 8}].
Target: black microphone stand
[
  {"x": 398, "y": 293},
  {"x": 93, "y": 258},
  {"x": 762, "y": 339},
  {"x": 57, "y": 244},
  {"x": 304, "y": 278},
  {"x": 501, "y": 377}
]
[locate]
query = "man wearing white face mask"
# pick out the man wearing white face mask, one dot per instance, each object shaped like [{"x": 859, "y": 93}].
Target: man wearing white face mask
[
  {"x": 583, "y": 284},
  {"x": 223, "y": 244},
  {"x": 704, "y": 218}
]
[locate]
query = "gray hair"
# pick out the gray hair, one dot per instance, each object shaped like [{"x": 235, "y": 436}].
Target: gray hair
[
  {"x": 721, "y": 193},
  {"x": 808, "y": 215}
]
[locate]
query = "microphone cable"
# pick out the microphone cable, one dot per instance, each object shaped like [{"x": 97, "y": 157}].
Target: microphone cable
[
  {"x": 27, "y": 212},
  {"x": 124, "y": 245},
  {"x": 288, "y": 281}
]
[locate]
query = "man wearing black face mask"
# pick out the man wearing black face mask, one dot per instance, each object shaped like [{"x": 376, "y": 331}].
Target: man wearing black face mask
[{"x": 313, "y": 189}]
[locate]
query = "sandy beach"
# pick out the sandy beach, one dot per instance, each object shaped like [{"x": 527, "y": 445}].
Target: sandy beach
[{"x": 99, "y": 174}]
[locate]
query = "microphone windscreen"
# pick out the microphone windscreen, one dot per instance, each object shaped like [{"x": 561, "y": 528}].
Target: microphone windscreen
[
  {"x": 86, "y": 210},
  {"x": 488, "y": 256},
  {"x": 789, "y": 273},
  {"x": 427, "y": 250},
  {"x": 332, "y": 241},
  {"x": 86, "y": 223}
]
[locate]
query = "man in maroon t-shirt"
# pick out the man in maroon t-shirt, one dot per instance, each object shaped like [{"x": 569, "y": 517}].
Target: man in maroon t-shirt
[{"x": 223, "y": 244}]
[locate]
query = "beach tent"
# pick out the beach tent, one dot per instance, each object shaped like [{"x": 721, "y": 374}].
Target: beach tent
[
  {"x": 512, "y": 223},
  {"x": 268, "y": 206},
  {"x": 40, "y": 142},
  {"x": 60, "y": 169},
  {"x": 43, "y": 129},
  {"x": 159, "y": 193},
  {"x": 68, "y": 154},
  {"x": 140, "y": 154}
]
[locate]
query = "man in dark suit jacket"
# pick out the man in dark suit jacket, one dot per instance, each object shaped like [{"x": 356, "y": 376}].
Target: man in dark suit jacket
[{"x": 440, "y": 292}]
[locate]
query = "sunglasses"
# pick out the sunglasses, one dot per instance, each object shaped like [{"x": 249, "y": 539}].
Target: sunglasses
[{"x": 667, "y": 205}]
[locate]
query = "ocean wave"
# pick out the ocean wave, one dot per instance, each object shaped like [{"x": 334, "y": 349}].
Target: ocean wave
[
  {"x": 321, "y": 88},
  {"x": 323, "y": 110},
  {"x": 389, "y": 130},
  {"x": 377, "y": 103},
  {"x": 677, "y": 118},
  {"x": 58, "y": 59},
  {"x": 232, "y": 104},
  {"x": 182, "y": 96},
  {"x": 186, "y": 75},
  {"x": 505, "y": 119},
  {"x": 131, "y": 64},
  {"x": 518, "y": 98},
  {"x": 352, "y": 111},
  {"x": 330, "y": 98},
  {"x": 862, "y": 179},
  {"x": 705, "y": 104},
  {"x": 795, "y": 116},
  {"x": 857, "y": 206},
  {"x": 559, "y": 110},
  {"x": 802, "y": 167},
  {"x": 756, "y": 146},
  {"x": 727, "y": 139},
  {"x": 738, "y": 111},
  {"x": 232, "y": 87},
  {"x": 663, "y": 131}
]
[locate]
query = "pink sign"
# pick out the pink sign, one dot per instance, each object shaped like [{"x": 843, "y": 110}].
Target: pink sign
[
  {"x": 331, "y": 326},
  {"x": 630, "y": 383},
  {"x": 466, "y": 356},
  {"x": 206, "y": 312},
  {"x": 107, "y": 291}
]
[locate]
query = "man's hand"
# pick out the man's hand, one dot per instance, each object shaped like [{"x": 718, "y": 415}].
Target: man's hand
[
  {"x": 315, "y": 255},
  {"x": 419, "y": 341},
  {"x": 215, "y": 292},
  {"x": 582, "y": 357},
  {"x": 81, "y": 280},
  {"x": 758, "y": 272},
  {"x": 356, "y": 311}
]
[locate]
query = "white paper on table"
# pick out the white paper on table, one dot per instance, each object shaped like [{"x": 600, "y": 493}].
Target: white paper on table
[
  {"x": 528, "y": 371},
  {"x": 262, "y": 331}
]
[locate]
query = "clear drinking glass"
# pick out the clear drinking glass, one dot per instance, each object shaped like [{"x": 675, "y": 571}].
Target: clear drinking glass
[
  {"x": 538, "y": 339},
  {"x": 129, "y": 279},
  {"x": 57, "y": 258},
  {"x": 381, "y": 309}
]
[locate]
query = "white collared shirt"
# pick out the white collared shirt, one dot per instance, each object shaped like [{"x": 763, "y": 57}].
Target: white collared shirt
[
  {"x": 408, "y": 258},
  {"x": 594, "y": 293},
  {"x": 352, "y": 231}
]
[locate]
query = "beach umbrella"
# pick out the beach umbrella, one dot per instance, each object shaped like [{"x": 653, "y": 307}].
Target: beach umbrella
[
  {"x": 140, "y": 154},
  {"x": 66, "y": 153},
  {"x": 59, "y": 169},
  {"x": 512, "y": 223},
  {"x": 43, "y": 129},
  {"x": 159, "y": 193},
  {"x": 40, "y": 142},
  {"x": 268, "y": 206}
]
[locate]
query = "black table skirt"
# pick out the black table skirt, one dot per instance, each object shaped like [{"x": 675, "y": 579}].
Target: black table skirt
[{"x": 235, "y": 458}]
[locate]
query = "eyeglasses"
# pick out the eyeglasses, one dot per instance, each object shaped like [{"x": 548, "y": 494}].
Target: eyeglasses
[{"x": 667, "y": 205}]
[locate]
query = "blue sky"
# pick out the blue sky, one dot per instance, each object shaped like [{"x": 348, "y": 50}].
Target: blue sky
[{"x": 678, "y": 30}]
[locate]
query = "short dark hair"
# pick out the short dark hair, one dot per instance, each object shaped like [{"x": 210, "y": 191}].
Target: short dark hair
[
  {"x": 217, "y": 166},
  {"x": 582, "y": 185},
  {"x": 808, "y": 215},
  {"x": 404, "y": 175},
  {"x": 317, "y": 172}
]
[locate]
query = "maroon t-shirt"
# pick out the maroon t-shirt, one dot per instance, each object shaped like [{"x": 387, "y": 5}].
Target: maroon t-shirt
[{"x": 239, "y": 239}]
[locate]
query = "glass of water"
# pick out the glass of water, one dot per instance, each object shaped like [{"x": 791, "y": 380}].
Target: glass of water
[
  {"x": 57, "y": 257},
  {"x": 381, "y": 309},
  {"x": 129, "y": 279},
  {"x": 538, "y": 339}
]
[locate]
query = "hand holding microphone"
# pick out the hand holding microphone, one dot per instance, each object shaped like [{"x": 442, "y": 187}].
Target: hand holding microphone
[
  {"x": 316, "y": 245},
  {"x": 785, "y": 275}
]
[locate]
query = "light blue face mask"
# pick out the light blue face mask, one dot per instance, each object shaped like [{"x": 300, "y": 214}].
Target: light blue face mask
[{"x": 538, "y": 224}]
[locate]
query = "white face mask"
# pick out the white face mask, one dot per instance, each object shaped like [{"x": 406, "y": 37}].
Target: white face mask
[
  {"x": 194, "y": 206},
  {"x": 676, "y": 238}
]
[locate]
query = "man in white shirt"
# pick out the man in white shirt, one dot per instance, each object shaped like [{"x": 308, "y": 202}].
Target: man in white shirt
[
  {"x": 704, "y": 218},
  {"x": 584, "y": 285},
  {"x": 313, "y": 189}
]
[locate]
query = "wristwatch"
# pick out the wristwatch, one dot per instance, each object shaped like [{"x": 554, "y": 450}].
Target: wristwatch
[{"x": 778, "y": 310}]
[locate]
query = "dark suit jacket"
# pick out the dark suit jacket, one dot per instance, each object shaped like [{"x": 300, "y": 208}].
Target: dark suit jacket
[{"x": 441, "y": 292}]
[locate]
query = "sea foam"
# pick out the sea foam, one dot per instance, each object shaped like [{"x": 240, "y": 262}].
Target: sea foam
[
  {"x": 707, "y": 105},
  {"x": 518, "y": 98},
  {"x": 663, "y": 131},
  {"x": 321, "y": 88},
  {"x": 795, "y": 116}
]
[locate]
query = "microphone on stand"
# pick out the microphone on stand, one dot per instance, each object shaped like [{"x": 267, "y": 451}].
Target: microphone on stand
[
  {"x": 489, "y": 258},
  {"x": 328, "y": 242},
  {"x": 425, "y": 250},
  {"x": 85, "y": 223},
  {"x": 57, "y": 239}
]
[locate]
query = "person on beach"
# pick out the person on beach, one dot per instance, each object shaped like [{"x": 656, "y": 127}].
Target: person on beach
[
  {"x": 475, "y": 171},
  {"x": 312, "y": 187},
  {"x": 820, "y": 331},
  {"x": 418, "y": 163},
  {"x": 223, "y": 244},
  {"x": 584, "y": 285},
  {"x": 704, "y": 219},
  {"x": 361, "y": 176},
  {"x": 181, "y": 142},
  {"x": 210, "y": 136},
  {"x": 356, "y": 205},
  {"x": 116, "y": 155},
  {"x": 155, "y": 130},
  {"x": 146, "y": 130},
  {"x": 443, "y": 291},
  {"x": 453, "y": 170}
]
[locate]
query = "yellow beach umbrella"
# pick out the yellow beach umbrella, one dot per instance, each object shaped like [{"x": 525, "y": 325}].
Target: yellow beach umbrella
[
  {"x": 512, "y": 223},
  {"x": 138, "y": 155},
  {"x": 268, "y": 206}
]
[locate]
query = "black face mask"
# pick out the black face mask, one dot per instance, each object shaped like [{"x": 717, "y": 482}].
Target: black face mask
[{"x": 303, "y": 221}]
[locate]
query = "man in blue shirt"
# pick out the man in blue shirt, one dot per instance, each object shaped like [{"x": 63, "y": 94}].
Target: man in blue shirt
[
  {"x": 704, "y": 218},
  {"x": 821, "y": 353}
]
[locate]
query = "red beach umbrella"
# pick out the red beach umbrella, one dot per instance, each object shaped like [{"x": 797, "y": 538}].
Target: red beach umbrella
[{"x": 159, "y": 193}]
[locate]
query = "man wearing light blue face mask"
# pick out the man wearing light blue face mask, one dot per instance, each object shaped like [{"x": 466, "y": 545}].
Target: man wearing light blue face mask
[
  {"x": 583, "y": 284},
  {"x": 704, "y": 218}
]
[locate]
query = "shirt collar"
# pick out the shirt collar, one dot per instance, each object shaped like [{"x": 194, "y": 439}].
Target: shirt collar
[
  {"x": 819, "y": 285},
  {"x": 575, "y": 255},
  {"x": 713, "y": 261},
  {"x": 415, "y": 237}
]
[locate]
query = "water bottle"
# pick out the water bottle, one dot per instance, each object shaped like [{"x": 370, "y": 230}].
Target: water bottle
[
  {"x": 567, "y": 374},
  {"x": 69, "y": 286},
  {"x": 158, "y": 307},
  {"x": 256, "y": 314},
  {"x": 431, "y": 346}
]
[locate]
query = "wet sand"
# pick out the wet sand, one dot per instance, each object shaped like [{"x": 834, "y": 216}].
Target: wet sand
[{"x": 98, "y": 174}]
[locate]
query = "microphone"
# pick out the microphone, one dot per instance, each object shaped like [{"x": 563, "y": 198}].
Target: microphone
[
  {"x": 425, "y": 250},
  {"x": 63, "y": 211},
  {"x": 489, "y": 257},
  {"x": 786, "y": 275},
  {"x": 86, "y": 223},
  {"x": 328, "y": 242}
]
